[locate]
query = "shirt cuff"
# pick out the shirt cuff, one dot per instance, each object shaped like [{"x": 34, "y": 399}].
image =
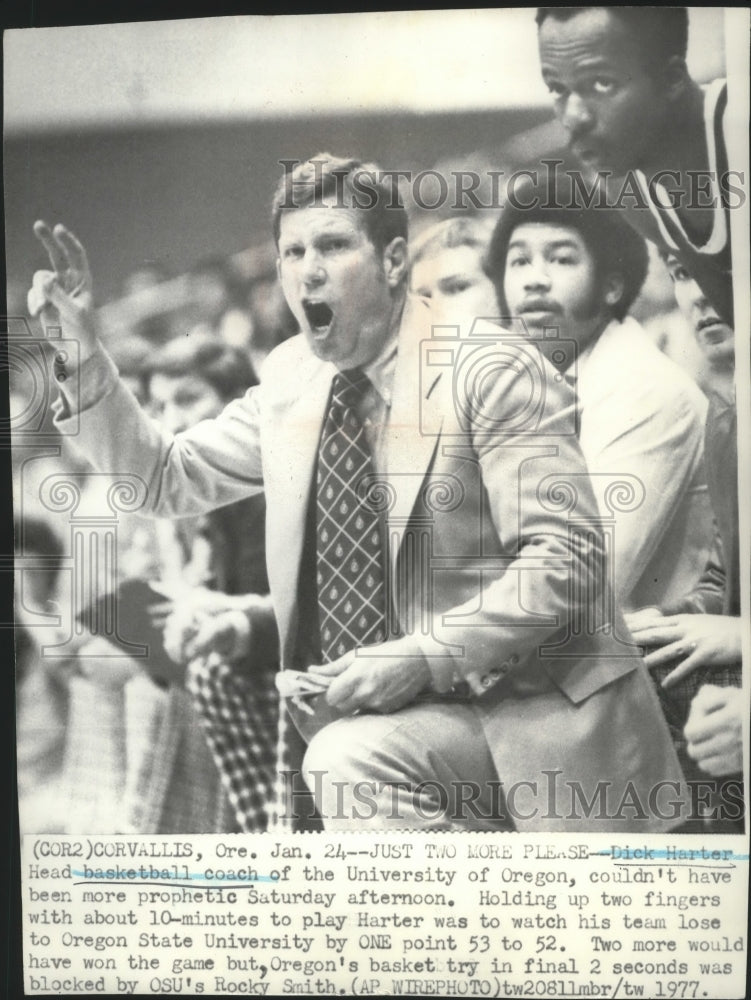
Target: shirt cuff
[
  {"x": 83, "y": 388},
  {"x": 441, "y": 665}
]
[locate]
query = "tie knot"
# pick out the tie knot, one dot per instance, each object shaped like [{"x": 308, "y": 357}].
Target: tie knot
[{"x": 349, "y": 387}]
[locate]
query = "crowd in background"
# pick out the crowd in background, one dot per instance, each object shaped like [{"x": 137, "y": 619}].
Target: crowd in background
[
  {"x": 107, "y": 737},
  {"x": 113, "y": 734}
]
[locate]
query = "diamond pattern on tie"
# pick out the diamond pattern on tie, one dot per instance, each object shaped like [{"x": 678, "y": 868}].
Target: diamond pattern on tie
[{"x": 349, "y": 549}]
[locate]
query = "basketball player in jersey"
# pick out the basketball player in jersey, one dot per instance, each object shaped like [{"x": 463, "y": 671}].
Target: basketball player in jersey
[{"x": 635, "y": 118}]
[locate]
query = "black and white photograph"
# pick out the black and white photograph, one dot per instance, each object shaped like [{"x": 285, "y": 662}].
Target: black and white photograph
[{"x": 379, "y": 425}]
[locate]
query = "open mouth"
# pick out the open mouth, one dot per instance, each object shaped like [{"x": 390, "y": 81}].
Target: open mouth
[{"x": 318, "y": 315}]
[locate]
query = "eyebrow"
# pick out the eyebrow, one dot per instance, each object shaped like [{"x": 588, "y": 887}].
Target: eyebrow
[
  {"x": 564, "y": 241},
  {"x": 588, "y": 64},
  {"x": 330, "y": 227},
  {"x": 452, "y": 275}
]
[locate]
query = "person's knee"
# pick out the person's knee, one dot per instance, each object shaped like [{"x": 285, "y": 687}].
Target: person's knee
[
  {"x": 345, "y": 751},
  {"x": 328, "y": 754},
  {"x": 317, "y": 757}
]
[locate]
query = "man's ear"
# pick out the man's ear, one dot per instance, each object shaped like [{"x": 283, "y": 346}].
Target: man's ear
[
  {"x": 396, "y": 261},
  {"x": 613, "y": 288},
  {"x": 676, "y": 78}
]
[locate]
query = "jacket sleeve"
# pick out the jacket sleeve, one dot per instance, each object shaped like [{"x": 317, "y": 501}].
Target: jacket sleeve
[
  {"x": 544, "y": 512},
  {"x": 707, "y": 597},
  {"x": 658, "y": 444},
  {"x": 215, "y": 463}
]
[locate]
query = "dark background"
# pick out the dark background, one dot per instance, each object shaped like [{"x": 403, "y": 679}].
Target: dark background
[{"x": 183, "y": 192}]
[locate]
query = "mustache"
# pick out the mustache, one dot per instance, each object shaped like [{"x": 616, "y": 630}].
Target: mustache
[
  {"x": 582, "y": 142},
  {"x": 539, "y": 305},
  {"x": 706, "y": 321},
  {"x": 580, "y": 130}
]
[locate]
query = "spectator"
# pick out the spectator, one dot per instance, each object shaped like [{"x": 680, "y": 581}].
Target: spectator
[
  {"x": 155, "y": 327},
  {"x": 222, "y": 558},
  {"x": 696, "y": 640},
  {"x": 218, "y": 303},
  {"x": 642, "y": 417},
  {"x": 70, "y": 702},
  {"x": 447, "y": 266},
  {"x": 42, "y": 696}
]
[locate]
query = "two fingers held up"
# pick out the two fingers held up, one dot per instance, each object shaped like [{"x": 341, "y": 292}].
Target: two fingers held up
[{"x": 65, "y": 288}]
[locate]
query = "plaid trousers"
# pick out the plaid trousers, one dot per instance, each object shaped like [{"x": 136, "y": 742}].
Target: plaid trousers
[
  {"x": 676, "y": 706},
  {"x": 252, "y": 742},
  {"x": 676, "y": 702}
]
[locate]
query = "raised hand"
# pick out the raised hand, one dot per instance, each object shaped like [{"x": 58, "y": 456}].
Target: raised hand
[{"x": 67, "y": 288}]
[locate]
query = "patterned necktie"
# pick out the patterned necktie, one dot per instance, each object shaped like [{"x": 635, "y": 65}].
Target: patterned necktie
[{"x": 350, "y": 564}]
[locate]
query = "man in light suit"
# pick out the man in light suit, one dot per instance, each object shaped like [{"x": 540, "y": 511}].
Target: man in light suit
[{"x": 489, "y": 652}]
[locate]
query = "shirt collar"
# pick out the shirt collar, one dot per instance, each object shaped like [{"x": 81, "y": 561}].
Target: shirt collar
[
  {"x": 381, "y": 370},
  {"x": 584, "y": 357}
]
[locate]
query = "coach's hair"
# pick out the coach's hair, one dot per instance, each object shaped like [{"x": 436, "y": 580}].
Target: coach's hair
[
  {"x": 661, "y": 31},
  {"x": 462, "y": 232},
  {"x": 227, "y": 369},
  {"x": 353, "y": 184},
  {"x": 615, "y": 247}
]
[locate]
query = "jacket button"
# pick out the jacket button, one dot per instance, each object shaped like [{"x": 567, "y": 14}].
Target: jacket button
[
  {"x": 513, "y": 659},
  {"x": 485, "y": 681},
  {"x": 496, "y": 672}
]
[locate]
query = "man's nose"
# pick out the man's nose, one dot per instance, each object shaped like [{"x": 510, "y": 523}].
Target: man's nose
[
  {"x": 313, "y": 272},
  {"x": 577, "y": 116},
  {"x": 536, "y": 277},
  {"x": 696, "y": 296}
]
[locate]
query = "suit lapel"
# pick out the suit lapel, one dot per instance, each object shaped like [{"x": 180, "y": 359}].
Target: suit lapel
[
  {"x": 414, "y": 422},
  {"x": 296, "y": 433}
]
